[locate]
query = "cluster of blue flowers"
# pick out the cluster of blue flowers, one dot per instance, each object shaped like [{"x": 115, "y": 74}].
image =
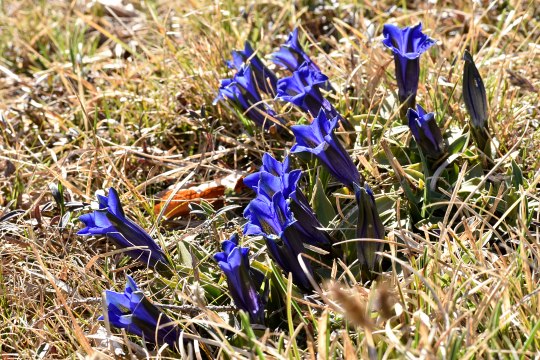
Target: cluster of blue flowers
[
  {"x": 407, "y": 45},
  {"x": 280, "y": 212},
  {"x": 303, "y": 88},
  {"x": 131, "y": 310},
  {"x": 270, "y": 215},
  {"x": 244, "y": 89}
]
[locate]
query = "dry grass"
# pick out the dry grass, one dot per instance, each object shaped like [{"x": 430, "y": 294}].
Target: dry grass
[{"x": 95, "y": 96}]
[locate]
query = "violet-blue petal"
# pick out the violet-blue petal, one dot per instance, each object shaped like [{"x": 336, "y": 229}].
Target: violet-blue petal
[
  {"x": 265, "y": 79},
  {"x": 407, "y": 44},
  {"x": 112, "y": 223},
  {"x": 426, "y": 132},
  {"x": 303, "y": 89},
  {"x": 113, "y": 203},
  {"x": 242, "y": 287},
  {"x": 319, "y": 139},
  {"x": 131, "y": 311}
]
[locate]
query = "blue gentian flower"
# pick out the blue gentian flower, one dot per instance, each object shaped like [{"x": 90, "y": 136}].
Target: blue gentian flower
[
  {"x": 369, "y": 226},
  {"x": 243, "y": 92},
  {"x": 426, "y": 132},
  {"x": 273, "y": 166},
  {"x": 275, "y": 176},
  {"x": 303, "y": 89},
  {"x": 243, "y": 281},
  {"x": 291, "y": 55},
  {"x": 474, "y": 95},
  {"x": 273, "y": 219},
  {"x": 132, "y": 311},
  {"x": 319, "y": 139},
  {"x": 474, "y": 92},
  {"x": 111, "y": 222},
  {"x": 265, "y": 78},
  {"x": 285, "y": 250},
  {"x": 407, "y": 44},
  {"x": 268, "y": 215}
]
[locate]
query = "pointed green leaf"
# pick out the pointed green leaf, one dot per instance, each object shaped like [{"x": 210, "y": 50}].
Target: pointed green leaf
[{"x": 322, "y": 205}]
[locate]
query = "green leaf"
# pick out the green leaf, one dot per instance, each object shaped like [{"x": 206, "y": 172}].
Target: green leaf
[
  {"x": 322, "y": 205},
  {"x": 185, "y": 256},
  {"x": 250, "y": 334},
  {"x": 283, "y": 288},
  {"x": 532, "y": 337},
  {"x": 415, "y": 174},
  {"x": 456, "y": 348},
  {"x": 458, "y": 144},
  {"x": 413, "y": 198},
  {"x": 517, "y": 175}
]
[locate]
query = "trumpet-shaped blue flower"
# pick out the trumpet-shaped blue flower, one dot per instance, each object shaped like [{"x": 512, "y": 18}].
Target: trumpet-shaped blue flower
[
  {"x": 132, "y": 311},
  {"x": 426, "y": 132},
  {"x": 273, "y": 219},
  {"x": 265, "y": 78},
  {"x": 275, "y": 176},
  {"x": 407, "y": 44},
  {"x": 268, "y": 215},
  {"x": 109, "y": 220},
  {"x": 243, "y": 92},
  {"x": 319, "y": 139},
  {"x": 474, "y": 95},
  {"x": 291, "y": 55},
  {"x": 369, "y": 226},
  {"x": 303, "y": 89},
  {"x": 243, "y": 281}
]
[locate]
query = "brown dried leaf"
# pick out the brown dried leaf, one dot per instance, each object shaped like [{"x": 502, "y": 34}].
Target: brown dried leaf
[{"x": 179, "y": 204}]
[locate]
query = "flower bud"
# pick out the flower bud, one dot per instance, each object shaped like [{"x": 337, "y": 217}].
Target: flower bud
[{"x": 426, "y": 132}]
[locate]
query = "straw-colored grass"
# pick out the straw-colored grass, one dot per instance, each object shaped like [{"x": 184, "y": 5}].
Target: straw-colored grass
[{"x": 94, "y": 96}]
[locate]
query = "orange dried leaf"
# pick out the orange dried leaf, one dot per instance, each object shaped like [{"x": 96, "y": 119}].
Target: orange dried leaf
[{"x": 179, "y": 204}]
